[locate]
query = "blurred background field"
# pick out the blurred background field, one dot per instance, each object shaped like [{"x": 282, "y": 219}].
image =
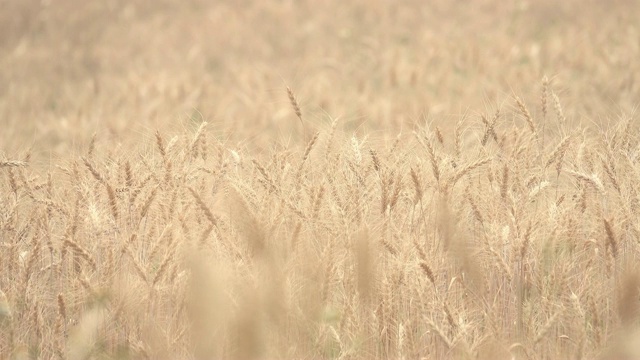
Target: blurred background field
[{"x": 123, "y": 69}]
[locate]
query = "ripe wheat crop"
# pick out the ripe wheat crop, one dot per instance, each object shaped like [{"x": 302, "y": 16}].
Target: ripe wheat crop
[{"x": 268, "y": 225}]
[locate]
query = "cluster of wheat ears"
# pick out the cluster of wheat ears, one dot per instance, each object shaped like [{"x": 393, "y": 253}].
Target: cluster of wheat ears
[{"x": 511, "y": 237}]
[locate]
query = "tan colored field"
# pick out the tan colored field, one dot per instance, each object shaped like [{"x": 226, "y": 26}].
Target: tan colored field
[{"x": 319, "y": 179}]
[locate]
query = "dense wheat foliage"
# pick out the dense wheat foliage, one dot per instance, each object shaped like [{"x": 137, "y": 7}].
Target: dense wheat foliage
[{"x": 319, "y": 180}]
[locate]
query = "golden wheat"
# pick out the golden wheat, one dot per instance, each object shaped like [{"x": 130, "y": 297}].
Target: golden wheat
[{"x": 157, "y": 201}]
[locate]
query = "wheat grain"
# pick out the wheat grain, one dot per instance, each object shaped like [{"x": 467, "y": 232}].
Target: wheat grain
[
  {"x": 160, "y": 144},
  {"x": 375, "y": 160},
  {"x": 113, "y": 202},
  {"x": 432, "y": 156},
  {"x": 93, "y": 170},
  {"x": 82, "y": 252},
  {"x": 296, "y": 108},
  {"x": 558, "y": 153},
  {"x": 417, "y": 186},
  {"x": 13, "y": 163},
  {"x": 62, "y": 308},
  {"x": 490, "y": 127},
  {"x": 197, "y": 138},
  {"x": 612, "y": 243},
  {"x": 527, "y": 116}
]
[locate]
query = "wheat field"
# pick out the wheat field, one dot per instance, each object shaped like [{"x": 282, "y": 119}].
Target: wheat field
[{"x": 319, "y": 180}]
